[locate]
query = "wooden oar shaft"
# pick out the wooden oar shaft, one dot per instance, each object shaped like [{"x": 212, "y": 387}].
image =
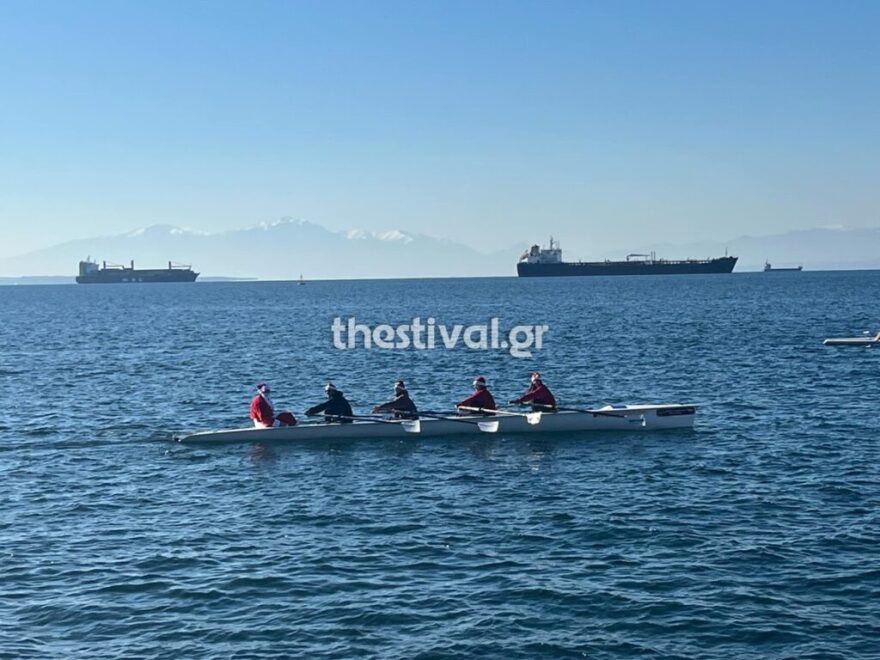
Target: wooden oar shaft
[
  {"x": 493, "y": 411},
  {"x": 369, "y": 418},
  {"x": 446, "y": 416},
  {"x": 590, "y": 411}
]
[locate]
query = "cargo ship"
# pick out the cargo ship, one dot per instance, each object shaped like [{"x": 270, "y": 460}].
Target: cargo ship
[
  {"x": 768, "y": 268},
  {"x": 547, "y": 262},
  {"x": 91, "y": 273}
]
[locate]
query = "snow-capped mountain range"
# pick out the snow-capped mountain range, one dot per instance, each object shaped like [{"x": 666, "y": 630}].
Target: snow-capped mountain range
[
  {"x": 282, "y": 249},
  {"x": 286, "y": 248}
]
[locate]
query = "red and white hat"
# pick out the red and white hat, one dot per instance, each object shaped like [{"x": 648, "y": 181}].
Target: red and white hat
[
  {"x": 535, "y": 376},
  {"x": 263, "y": 388},
  {"x": 479, "y": 381}
]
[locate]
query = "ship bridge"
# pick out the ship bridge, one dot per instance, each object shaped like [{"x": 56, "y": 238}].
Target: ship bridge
[{"x": 538, "y": 255}]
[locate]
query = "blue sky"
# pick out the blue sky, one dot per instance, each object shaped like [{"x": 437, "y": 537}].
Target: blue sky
[{"x": 608, "y": 124}]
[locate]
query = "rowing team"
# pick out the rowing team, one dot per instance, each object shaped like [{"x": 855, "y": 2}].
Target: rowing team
[{"x": 337, "y": 408}]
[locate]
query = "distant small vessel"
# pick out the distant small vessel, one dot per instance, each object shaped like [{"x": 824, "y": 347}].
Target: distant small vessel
[
  {"x": 866, "y": 340},
  {"x": 301, "y": 280},
  {"x": 547, "y": 262},
  {"x": 768, "y": 268},
  {"x": 91, "y": 273}
]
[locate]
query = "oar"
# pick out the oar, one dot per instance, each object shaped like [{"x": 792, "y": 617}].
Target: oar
[
  {"x": 485, "y": 427},
  {"x": 580, "y": 410},
  {"x": 603, "y": 413},
  {"x": 408, "y": 425},
  {"x": 531, "y": 418}
]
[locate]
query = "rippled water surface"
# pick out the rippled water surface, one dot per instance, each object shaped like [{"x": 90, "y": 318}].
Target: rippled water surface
[{"x": 757, "y": 534}]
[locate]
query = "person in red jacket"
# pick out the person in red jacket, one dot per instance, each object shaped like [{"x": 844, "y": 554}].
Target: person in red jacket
[
  {"x": 481, "y": 398},
  {"x": 263, "y": 410},
  {"x": 538, "y": 394}
]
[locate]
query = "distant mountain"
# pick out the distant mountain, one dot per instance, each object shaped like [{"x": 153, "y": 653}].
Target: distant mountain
[
  {"x": 286, "y": 248},
  {"x": 37, "y": 279},
  {"x": 276, "y": 250},
  {"x": 815, "y": 249}
]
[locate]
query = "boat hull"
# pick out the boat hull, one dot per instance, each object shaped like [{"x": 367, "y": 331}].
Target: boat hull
[
  {"x": 852, "y": 341},
  {"x": 637, "y": 417},
  {"x": 129, "y": 276},
  {"x": 658, "y": 267}
]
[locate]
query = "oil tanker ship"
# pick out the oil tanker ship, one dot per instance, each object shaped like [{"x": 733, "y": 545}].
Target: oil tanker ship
[
  {"x": 91, "y": 273},
  {"x": 547, "y": 262}
]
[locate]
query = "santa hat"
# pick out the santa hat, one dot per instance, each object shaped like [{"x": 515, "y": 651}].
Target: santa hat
[
  {"x": 479, "y": 381},
  {"x": 535, "y": 376}
]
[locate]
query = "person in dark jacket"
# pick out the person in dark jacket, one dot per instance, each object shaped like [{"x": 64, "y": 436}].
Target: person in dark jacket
[
  {"x": 481, "y": 398},
  {"x": 538, "y": 394},
  {"x": 401, "y": 405},
  {"x": 336, "y": 408}
]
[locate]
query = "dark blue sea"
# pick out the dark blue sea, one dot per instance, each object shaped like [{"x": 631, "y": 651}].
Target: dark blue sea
[{"x": 757, "y": 534}]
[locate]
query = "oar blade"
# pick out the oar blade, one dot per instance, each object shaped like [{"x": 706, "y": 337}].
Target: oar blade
[
  {"x": 488, "y": 427},
  {"x": 412, "y": 426},
  {"x": 533, "y": 418}
]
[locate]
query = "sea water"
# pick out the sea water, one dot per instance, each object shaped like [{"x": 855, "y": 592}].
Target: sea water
[{"x": 754, "y": 535}]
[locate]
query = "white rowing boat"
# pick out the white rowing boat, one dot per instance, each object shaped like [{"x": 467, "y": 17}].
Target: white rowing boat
[
  {"x": 866, "y": 340},
  {"x": 608, "y": 418}
]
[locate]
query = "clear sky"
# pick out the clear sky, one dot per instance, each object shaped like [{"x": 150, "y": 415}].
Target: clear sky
[{"x": 608, "y": 124}]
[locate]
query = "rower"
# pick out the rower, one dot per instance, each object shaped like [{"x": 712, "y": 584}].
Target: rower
[
  {"x": 538, "y": 394},
  {"x": 481, "y": 398},
  {"x": 263, "y": 410},
  {"x": 336, "y": 408},
  {"x": 401, "y": 405}
]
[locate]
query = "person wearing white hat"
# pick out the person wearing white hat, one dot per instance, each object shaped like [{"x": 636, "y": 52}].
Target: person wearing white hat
[
  {"x": 263, "y": 410},
  {"x": 336, "y": 408},
  {"x": 538, "y": 394},
  {"x": 481, "y": 398},
  {"x": 401, "y": 405}
]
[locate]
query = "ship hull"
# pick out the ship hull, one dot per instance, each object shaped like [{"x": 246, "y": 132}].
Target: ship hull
[
  {"x": 592, "y": 268},
  {"x": 129, "y": 276}
]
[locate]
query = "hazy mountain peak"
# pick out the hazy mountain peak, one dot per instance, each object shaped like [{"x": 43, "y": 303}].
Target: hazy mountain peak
[
  {"x": 285, "y": 221},
  {"x": 284, "y": 248},
  {"x": 160, "y": 230},
  {"x": 279, "y": 249},
  {"x": 394, "y": 235},
  {"x": 390, "y": 235}
]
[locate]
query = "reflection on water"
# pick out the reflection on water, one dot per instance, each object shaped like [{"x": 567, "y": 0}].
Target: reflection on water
[{"x": 261, "y": 453}]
